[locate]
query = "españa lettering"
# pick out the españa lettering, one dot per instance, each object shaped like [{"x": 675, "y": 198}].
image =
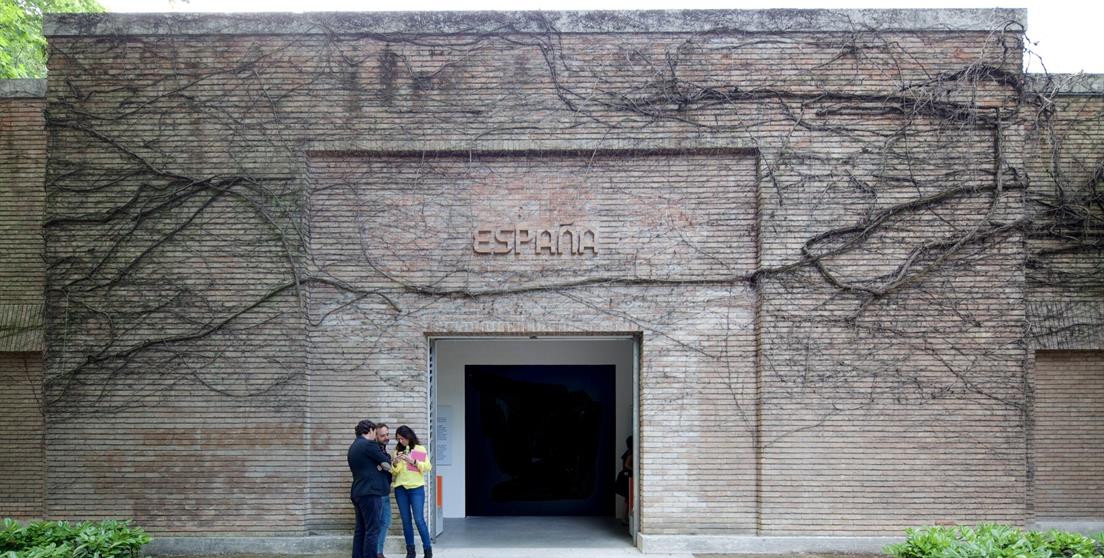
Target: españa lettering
[{"x": 565, "y": 238}]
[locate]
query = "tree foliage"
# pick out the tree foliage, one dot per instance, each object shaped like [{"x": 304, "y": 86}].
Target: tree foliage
[{"x": 22, "y": 46}]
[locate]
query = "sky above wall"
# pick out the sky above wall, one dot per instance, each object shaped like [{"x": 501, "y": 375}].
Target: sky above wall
[{"x": 1065, "y": 36}]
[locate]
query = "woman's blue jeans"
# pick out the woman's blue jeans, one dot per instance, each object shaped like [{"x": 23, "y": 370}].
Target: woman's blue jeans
[{"x": 411, "y": 501}]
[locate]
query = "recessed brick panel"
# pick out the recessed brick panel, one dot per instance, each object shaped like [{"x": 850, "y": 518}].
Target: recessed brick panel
[
  {"x": 1069, "y": 434},
  {"x": 369, "y": 354}
]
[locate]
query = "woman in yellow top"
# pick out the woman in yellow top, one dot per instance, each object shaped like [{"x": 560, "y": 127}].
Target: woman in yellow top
[{"x": 408, "y": 477}]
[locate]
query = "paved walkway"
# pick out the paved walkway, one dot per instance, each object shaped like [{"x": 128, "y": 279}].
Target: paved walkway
[
  {"x": 516, "y": 552},
  {"x": 533, "y": 533},
  {"x": 482, "y": 537}
]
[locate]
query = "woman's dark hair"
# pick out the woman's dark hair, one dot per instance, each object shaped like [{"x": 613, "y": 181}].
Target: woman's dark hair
[{"x": 406, "y": 432}]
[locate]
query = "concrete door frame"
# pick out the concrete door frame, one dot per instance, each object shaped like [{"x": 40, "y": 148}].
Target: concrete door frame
[{"x": 637, "y": 338}]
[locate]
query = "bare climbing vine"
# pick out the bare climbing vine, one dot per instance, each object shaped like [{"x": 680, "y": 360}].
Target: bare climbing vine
[{"x": 173, "y": 247}]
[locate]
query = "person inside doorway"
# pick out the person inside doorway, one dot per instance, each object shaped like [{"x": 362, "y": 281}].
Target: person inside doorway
[
  {"x": 410, "y": 466},
  {"x": 623, "y": 485}
]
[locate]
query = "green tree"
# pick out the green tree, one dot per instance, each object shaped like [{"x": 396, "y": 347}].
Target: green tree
[{"x": 22, "y": 46}]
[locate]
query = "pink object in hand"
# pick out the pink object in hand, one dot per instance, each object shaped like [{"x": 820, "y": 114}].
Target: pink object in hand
[{"x": 416, "y": 456}]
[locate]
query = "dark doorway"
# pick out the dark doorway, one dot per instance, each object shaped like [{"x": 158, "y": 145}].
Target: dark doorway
[{"x": 539, "y": 440}]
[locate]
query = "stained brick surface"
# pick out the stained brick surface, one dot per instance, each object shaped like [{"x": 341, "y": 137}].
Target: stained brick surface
[
  {"x": 22, "y": 170},
  {"x": 411, "y": 222},
  {"x": 21, "y": 461},
  {"x": 249, "y": 237},
  {"x": 1069, "y": 434},
  {"x": 691, "y": 217},
  {"x": 1065, "y": 272}
]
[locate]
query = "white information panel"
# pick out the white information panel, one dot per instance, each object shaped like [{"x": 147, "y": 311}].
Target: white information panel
[{"x": 444, "y": 438}]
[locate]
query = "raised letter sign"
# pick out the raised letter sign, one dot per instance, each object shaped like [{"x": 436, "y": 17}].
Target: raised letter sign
[
  {"x": 545, "y": 240},
  {"x": 591, "y": 244},
  {"x": 481, "y": 241}
]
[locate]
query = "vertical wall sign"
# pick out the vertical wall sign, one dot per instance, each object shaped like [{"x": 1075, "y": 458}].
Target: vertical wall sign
[{"x": 444, "y": 436}]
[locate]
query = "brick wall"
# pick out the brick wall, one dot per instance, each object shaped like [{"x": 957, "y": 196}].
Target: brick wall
[
  {"x": 22, "y": 167},
  {"x": 866, "y": 415},
  {"x": 1066, "y": 273},
  {"x": 1069, "y": 435},
  {"x": 176, "y": 399},
  {"x": 210, "y": 188},
  {"x": 22, "y": 463},
  {"x": 1065, "y": 296},
  {"x": 692, "y": 217}
]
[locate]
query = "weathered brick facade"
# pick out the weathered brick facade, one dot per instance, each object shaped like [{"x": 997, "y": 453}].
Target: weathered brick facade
[
  {"x": 1065, "y": 299},
  {"x": 711, "y": 208},
  {"x": 815, "y": 222},
  {"x": 22, "y": 168}
]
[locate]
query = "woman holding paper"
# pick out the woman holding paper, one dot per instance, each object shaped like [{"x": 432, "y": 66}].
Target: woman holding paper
[{"x": 410, "y": 467}]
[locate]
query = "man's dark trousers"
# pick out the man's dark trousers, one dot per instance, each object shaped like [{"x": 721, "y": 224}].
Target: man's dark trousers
[
  {"x": 366, "y": 535},
  {"x": 370, "y": 482}
]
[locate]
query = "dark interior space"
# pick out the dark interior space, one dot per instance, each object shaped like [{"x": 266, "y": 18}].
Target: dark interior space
[{"x": 540, "y": 440}]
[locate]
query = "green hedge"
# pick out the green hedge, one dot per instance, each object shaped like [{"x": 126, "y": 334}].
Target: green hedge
[
  {"x": 60, "y": 539},
  {"x": 995, "y": 541}
]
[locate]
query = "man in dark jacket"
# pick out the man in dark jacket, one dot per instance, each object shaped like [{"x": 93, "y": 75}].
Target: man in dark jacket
[{"x": 370, "y": 466}]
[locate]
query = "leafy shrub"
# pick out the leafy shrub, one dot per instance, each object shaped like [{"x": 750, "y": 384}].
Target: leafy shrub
[
  {"x": 61, "y": 539},
  {"x": 995, "y": 541}
]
